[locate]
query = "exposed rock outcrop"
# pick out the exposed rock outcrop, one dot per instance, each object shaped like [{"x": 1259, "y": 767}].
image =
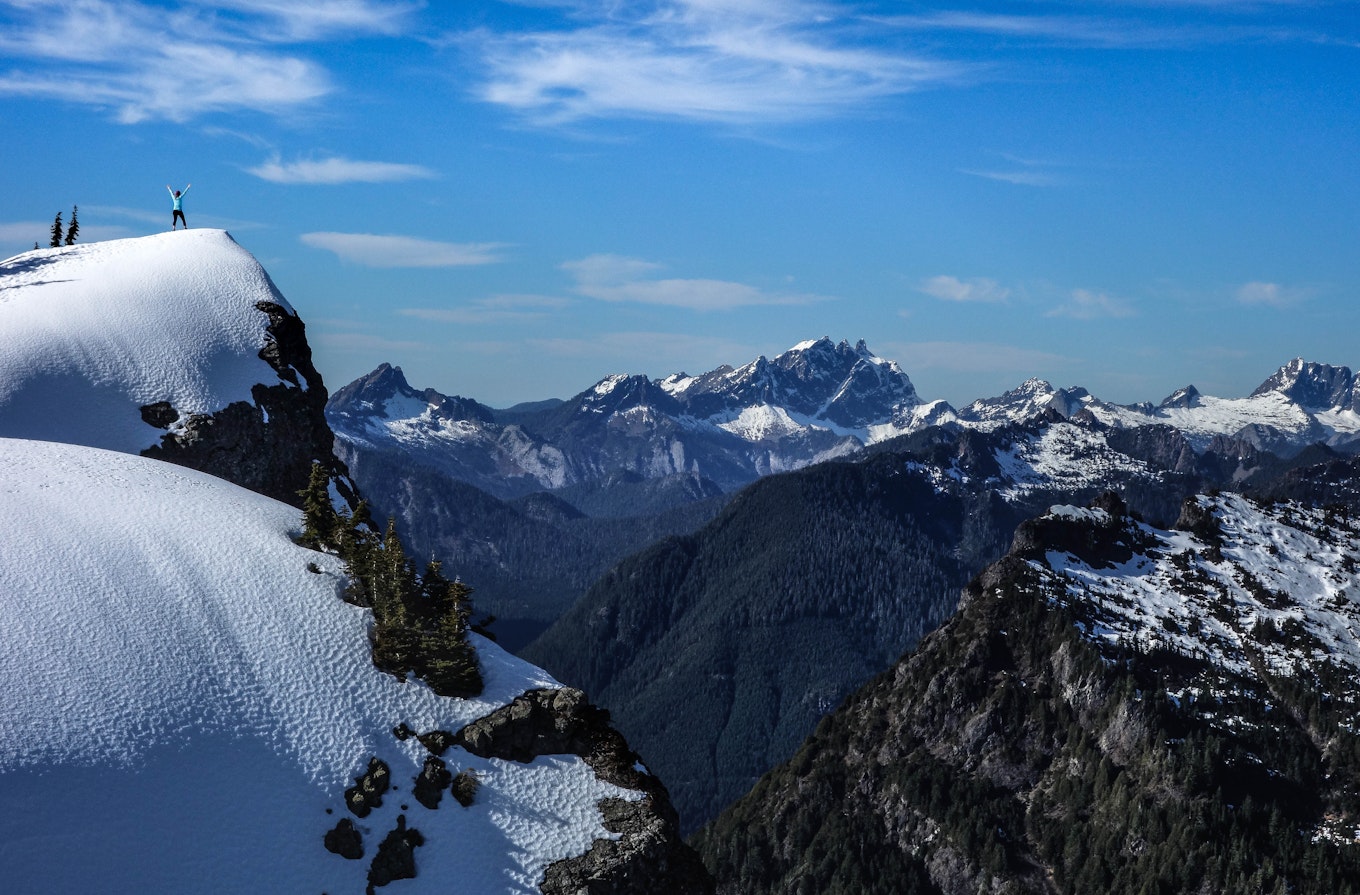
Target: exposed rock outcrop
[
  {"x": 649, "y": 855},
  {"x": 269, "y": 446},
  {"x": 396, "y": 857},
  {"x": 345, "y": 840}
]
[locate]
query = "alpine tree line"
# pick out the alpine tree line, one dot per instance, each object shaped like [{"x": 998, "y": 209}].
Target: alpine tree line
[{"x": 420, "y": 620}]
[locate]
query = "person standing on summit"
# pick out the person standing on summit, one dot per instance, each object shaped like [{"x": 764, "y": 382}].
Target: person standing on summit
[{"x": 177, "y": 197}]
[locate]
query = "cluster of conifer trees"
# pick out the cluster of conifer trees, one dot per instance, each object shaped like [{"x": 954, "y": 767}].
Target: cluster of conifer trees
[
  {"x": 71, "y": 234},
  {"x": 420, "y": 620}
]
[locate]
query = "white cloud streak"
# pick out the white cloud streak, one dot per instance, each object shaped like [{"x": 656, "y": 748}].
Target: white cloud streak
[
  {"x": 977, "y": 289},
  {"x": 1019, "y": 178},
  {"x": 614, "y": 278},
  {"x": 1126, "y": 25},
  {"x": 741, "y": 61},
  {"x": 21, "y": 231},
  {"x": 1271, "y": 294},
  {"x": 1086, "y": 305},
  {"x": 374, "y": 250},
  {"x": 496, "y": 309},
  {"x": 335, "y": 170},
  {"x": 290, "y": 20},
  {"x": 147, "y": 62}
]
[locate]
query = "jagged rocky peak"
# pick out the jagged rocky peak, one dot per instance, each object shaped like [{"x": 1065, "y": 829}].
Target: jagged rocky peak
[
  {"x": 621, "y": 393},
  {"x": 1032, "y": 398},
  {"x": 1182, "y": 397},
  {"x": 844, "y": 384},
  {"x": 385, "y": 394},
  {"x": 1312, "y": 385}
]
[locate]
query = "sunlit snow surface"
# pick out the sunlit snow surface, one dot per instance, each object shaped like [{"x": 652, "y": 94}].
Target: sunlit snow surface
[
  {"x": 91, "y": 333},
  {"x": 183, "y": 700}
]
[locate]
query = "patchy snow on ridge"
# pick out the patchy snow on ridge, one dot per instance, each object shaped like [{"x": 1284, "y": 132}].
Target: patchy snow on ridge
[
  {"x": 1279, "y": 593},
  {"x": 93, "y": 332},
  {"x": 185, "y": 702},
  {"x": 1064, "y": 456}
]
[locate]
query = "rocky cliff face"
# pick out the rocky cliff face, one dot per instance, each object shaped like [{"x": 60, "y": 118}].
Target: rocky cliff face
[
  {"x": 267, "y": 446},
  {"x": 1114, "y": 709}
]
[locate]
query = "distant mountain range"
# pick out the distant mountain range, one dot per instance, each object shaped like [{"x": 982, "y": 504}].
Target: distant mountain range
[
  {"x": 817, "y": 401},
  {"x": 729, "y": 426}
]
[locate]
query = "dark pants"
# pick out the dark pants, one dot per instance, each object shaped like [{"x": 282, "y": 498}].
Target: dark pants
[{"x": 178, "y": 217}]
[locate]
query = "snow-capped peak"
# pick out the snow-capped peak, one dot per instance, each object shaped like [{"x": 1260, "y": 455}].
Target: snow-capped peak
[
  {"x": 1313, "y": 386},
  {"x": 94, "y": 332}
]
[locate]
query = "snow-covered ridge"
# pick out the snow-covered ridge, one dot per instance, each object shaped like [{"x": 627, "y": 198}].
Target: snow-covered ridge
[
  {"x": 187, "y": 700},
  {"x": 1064, "y": 456},
  {"x": 94, "y": 332},
  {"x": 1273, "y": 591}
]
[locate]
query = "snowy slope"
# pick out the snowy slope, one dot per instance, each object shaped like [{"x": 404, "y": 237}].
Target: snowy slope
[
  {"x": 93, "y": 332},
  {"x": 1272, "y": 591},
  {"x": 184, "y": 702}
]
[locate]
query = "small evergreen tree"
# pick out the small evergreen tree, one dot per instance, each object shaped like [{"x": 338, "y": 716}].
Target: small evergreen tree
[
  {"x": 74, "y": 230},
  {"x": 56, "y": 232},
  {"x": 318, "y": 516}
]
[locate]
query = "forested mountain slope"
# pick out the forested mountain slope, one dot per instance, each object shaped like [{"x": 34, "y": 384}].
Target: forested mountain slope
[{"x": 1115, "y": 708}]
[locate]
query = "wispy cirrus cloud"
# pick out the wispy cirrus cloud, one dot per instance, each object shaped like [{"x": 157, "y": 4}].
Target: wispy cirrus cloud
[
  {"x": 1129, "y": 25},
  {"x": 289, "y": 20},
  {"x": 1018, "y": 177},
  {"x": 378, "y": 250},
  {"x": 495, "y": 309},
  {"x": 147, "y": 62},
  {"x": 743, "y": 61},
  {"x": 1084, "y": 304},
  {"x": 615, "y": 278},
  {"x": 979, "y": 289},
  {"x": 1271, "y": 294},
  {"x": 335, "y": 170}
]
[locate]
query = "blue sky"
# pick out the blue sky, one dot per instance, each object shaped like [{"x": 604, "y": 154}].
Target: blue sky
[{"x": 512, "y": 200}]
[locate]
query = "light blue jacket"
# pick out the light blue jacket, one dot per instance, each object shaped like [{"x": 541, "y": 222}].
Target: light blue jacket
[{"x": 178, "y": 199}]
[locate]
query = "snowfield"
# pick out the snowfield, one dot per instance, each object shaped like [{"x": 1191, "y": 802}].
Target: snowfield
[
  {"x": 184, "y": 702},
  {"x": 94, "y": 332}
]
